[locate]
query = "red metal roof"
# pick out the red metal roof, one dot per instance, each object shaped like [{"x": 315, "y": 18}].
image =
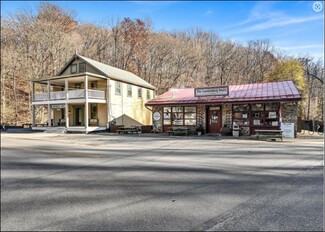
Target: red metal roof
[{"x": 270, "y": 91}]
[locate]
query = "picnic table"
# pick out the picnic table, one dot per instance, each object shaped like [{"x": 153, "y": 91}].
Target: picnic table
[
  {"x": 179, "y": 131},
  {"x": 126, "y": 130},
  {"x": 269, "y": 134}
]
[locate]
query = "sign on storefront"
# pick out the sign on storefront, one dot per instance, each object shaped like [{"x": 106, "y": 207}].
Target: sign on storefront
[
  {"x": 61, "y": 106},
  {"x": 156, "y": 116},
  {"x": 213, "y": 91}
]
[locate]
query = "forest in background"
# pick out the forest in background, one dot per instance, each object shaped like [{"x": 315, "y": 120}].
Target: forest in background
[{"x": 37, "y": 43}]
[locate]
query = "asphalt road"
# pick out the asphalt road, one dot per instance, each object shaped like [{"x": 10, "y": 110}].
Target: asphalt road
[{"x": 110, "y": 182}]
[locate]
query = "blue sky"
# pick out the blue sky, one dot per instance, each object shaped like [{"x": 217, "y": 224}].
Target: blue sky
[{"x": 290, "y": 25}]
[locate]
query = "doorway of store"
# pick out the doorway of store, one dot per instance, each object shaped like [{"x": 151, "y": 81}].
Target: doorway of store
[{"x": 214, "y": 120}]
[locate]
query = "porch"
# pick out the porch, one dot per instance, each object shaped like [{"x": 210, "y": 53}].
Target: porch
[{"x": 77, "y": 117}]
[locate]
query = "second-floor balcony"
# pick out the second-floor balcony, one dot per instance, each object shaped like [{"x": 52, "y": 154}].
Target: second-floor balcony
[{"x": 71, "y": 94}]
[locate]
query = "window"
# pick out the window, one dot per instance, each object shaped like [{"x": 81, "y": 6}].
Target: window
[
  {"x": 180, "y": 115},
  {"x": 129, "y": 90},
  {"x": 93, "y": 85},
  {"x": 167, "y": 116},
  {"x": 190, "y": 115},
  {"x": 82, "y": 67},
  {"x": 139, "y": 92},
  {"x": 117, "y": 88},
  {"x": 148, "y": 94},
  {"x": 241, "y": 114},
  {"x": 73, "y": 68},
  {"x": 93, "y": 111}
]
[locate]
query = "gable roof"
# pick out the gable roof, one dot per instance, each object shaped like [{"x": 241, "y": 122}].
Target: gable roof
[
  {"x": 271, "y": 91},
  {"x": 111, "y": 72}
]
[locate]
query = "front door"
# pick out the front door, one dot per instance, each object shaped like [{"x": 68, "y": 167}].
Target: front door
[
  {"x": 214, "y": 120},
  {"x": 78, "y": 119}
]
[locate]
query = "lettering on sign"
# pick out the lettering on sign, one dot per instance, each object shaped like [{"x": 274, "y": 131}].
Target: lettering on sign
[
  {"x": 62, "y": 106},
  {"x": 213, "y": 91}
]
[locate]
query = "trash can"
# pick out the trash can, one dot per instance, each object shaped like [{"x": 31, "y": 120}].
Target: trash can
[{"x": 235, "y": 130}]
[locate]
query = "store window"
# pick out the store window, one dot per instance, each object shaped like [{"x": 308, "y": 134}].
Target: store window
[
  {"x": 167, "y": 115},
  {"x": 179, "y": 115},
  {"x": 190, "y": 115},
  {"x": 241, "y": 114}
]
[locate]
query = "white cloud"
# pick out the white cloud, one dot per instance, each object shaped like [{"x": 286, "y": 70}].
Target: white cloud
[
  {"x": 262, "y": 17},
  {"x": 280, "y": 22}
]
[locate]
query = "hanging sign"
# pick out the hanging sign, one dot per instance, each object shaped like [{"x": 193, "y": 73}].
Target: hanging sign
[{"x": 213, "y": 91}]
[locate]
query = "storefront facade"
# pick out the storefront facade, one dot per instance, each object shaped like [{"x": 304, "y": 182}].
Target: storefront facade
[{"x": 251, "y": 106}]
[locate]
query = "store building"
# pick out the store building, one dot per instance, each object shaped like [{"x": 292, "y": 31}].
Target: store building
[{"x": 251, "y": 106}]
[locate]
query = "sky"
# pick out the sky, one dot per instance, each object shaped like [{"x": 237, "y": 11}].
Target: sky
[{"x": 292, "y": 26}]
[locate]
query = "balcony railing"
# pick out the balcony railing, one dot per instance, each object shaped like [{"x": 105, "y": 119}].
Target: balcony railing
[
  {"x": 99, "y": 94},
  {"x": 72, "y": 94},
  {"x": 75, "y": 94},
  {"x": 57, "y": 95}
]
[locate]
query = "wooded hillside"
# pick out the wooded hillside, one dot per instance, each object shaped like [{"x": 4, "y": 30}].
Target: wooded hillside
[{"x": 37, "y": 45}]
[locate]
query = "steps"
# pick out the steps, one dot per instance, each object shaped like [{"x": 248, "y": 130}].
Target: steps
[{"x": 55, "y": 130}]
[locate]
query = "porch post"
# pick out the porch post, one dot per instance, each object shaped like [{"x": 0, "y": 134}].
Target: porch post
[
  {"x": 49, "y": 115},
  {"x": 33, "y": 106},
  {"x": 48, "y": 105},
  {"x": 66, "y": 89},
  {"x": 108, "y": 103},
  {"x": 49, "y": 90},
  {"x": 33, "y": 91},
  {"x": 86, "y": 104}
]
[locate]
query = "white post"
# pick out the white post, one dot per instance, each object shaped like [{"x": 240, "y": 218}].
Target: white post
[
  {"x": 33, "y": 115},
  {"x": 33, "y": 91},
  {"x": 107, "y": 103},
  {"x": 49, "y": 115},
  {"x": 49, "y": 90},
  {"x": 66, "y": 115},
  {"x": 86, "y": 104},
  {"x": 48, "y": 105},
  {"x": 66, "y": 89}
]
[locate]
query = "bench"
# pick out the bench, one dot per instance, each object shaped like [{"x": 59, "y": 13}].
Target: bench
[
  {"x": 179, "y": 131},
  {"x": 27, "y": 125},
  {"x": 41, "y": 124},
  {"x": 126, "y": 130},
  {"x": 271, "y": 134}
]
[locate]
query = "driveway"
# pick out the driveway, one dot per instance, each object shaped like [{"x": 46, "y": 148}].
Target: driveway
[{"x": 141, "y": 182}]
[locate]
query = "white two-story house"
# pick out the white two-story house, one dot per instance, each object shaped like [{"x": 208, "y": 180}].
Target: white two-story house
[{"x": 87, "y": 95}]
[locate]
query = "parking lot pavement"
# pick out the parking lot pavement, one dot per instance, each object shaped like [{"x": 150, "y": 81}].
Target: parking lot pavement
[{"x": 105, "y": 182}]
